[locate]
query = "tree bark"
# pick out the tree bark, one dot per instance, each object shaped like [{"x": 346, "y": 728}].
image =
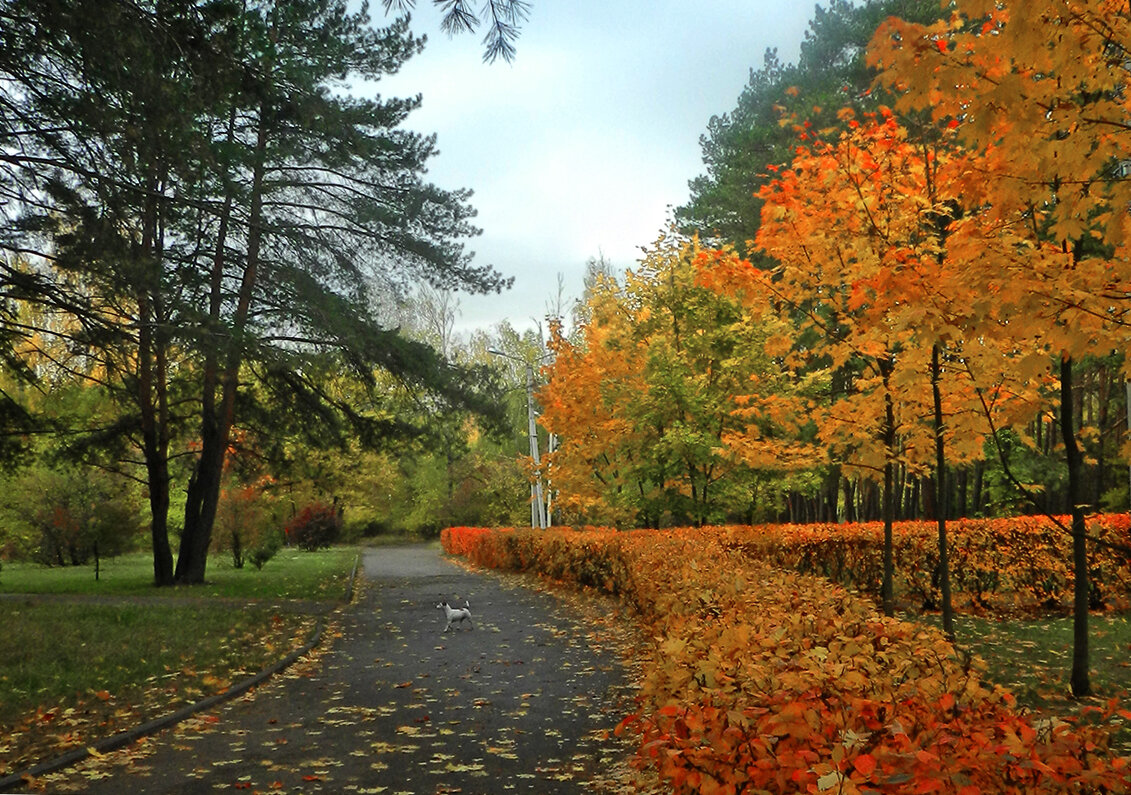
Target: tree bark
[
  {"x": 1081, "y": 677},
  {"x": 887, "y": 589},
  {"x": 154, "y": 446},
  {"x": 152, "y": 396},
  {"x": 978, "y": 497},
  {"x": 849, "y": 499},
  {"x": 941, "y": 497},
  {"x": 203, "y": 495}
]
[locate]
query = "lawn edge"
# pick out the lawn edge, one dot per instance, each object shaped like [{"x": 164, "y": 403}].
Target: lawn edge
[{"x": 130, "y": 736}]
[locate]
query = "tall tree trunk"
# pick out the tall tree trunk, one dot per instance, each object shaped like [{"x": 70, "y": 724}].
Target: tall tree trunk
[
  {"x": 1081, "y": 678},
  {"x": 203, "y": 495},
  {"x": 154, "y": 446},
  {"x": 1103, "y": 396},
  {"x": 887, "y": 589},
  {"x": 960, "y": 510},
  {"x": 941, "y": 497},
  {"x": 152, "y": 395},
  {"x": 849, "y": 499},
  {"x": 978, "y": 497}
]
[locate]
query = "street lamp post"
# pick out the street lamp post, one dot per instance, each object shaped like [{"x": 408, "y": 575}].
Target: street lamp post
[{"x": 538, "y": 515}]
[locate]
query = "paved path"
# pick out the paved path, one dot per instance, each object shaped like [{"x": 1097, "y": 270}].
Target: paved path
[{"x": 517, "y": 705}]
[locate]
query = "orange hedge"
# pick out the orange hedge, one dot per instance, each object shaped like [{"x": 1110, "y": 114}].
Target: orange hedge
[
  {"x": 996, "y": 564},
  {"x": 769, "y": 680}
]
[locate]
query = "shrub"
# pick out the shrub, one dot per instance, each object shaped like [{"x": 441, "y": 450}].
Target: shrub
[
  {"x": 246, "y": 522},
  {"x": 269, "y": 543},
  {"x": 65, "y": 515},
  {"x": 316, "y": 526}
]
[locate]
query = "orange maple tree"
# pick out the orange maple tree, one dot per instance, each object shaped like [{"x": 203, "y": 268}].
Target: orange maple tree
[
  {"x": 1038, "y": 93},
  {"x": 591, "y": 463},
  {"x": 858, "y": 227}
]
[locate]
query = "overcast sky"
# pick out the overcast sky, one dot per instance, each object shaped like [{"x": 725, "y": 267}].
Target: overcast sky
[{"x": 582, "y": 145}]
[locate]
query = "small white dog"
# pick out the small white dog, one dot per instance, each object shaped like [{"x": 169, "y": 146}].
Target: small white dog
[{"x": 456, "y": 614}]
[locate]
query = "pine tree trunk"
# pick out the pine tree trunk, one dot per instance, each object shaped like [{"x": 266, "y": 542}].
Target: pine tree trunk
[
  {"x": 152, "y": 395},
  {"x": 203, "y": 495},
  {"x": 157, "y": 478}
]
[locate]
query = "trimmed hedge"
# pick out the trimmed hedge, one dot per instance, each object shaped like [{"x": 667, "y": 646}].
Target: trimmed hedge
[{"x": 998, "y": 565}]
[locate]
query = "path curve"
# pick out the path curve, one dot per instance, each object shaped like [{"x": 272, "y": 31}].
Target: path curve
[{"x": 520, "y": 704}]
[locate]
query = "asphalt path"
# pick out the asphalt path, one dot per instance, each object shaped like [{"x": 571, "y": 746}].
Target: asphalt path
[{"x": 522, "y": 703}]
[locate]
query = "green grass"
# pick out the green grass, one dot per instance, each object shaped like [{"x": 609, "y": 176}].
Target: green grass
[
  {"x": 75, "y": 670},
  {"x": 60, "y": 653},
  {"x": 291, "y": 574},
  {"x": 1033, "y": 659}
]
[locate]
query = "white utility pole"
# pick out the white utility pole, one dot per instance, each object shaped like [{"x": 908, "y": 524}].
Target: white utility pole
[
  {"x": 539, "y": 516},
  {"x": 538, "y": 505}
]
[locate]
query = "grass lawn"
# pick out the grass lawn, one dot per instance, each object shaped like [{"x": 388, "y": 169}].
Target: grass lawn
[
  {"x": 72, "y": 671},
  {"x": 55, "y": 652},
  {"x": 1033, "y": 658},
  {"x": 291, "y": 574}
]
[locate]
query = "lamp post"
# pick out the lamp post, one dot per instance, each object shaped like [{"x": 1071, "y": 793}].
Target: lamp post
[{"x": 538, "y": 515}]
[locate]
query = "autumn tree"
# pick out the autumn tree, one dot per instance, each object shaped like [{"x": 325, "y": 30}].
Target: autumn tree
[
  {"x": 592, "y": 466},
  {"x": 824, "y": 278},
  {"x": 1038, "y": 91},
  {"x": 644, "y": 402},
  {"x": 858, "y": 226}
]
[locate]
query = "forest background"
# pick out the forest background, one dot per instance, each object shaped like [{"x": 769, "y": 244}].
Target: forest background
[{"x": 229, "y": 300}]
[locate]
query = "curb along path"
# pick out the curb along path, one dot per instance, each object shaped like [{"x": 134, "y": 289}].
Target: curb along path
[{"x": 520, "y": 704}]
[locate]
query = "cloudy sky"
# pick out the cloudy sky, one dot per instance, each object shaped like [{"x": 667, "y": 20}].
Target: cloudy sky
[{"x": 582, "y": 145}]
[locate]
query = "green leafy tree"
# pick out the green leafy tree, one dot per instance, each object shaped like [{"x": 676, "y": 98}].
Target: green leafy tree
[
  {"x": 67, "y": 514},
  {"x": 646, "y": 403}
]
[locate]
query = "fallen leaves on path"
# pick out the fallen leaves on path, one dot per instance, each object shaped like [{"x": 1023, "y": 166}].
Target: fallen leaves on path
[{"x": 447, "y": 732}]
